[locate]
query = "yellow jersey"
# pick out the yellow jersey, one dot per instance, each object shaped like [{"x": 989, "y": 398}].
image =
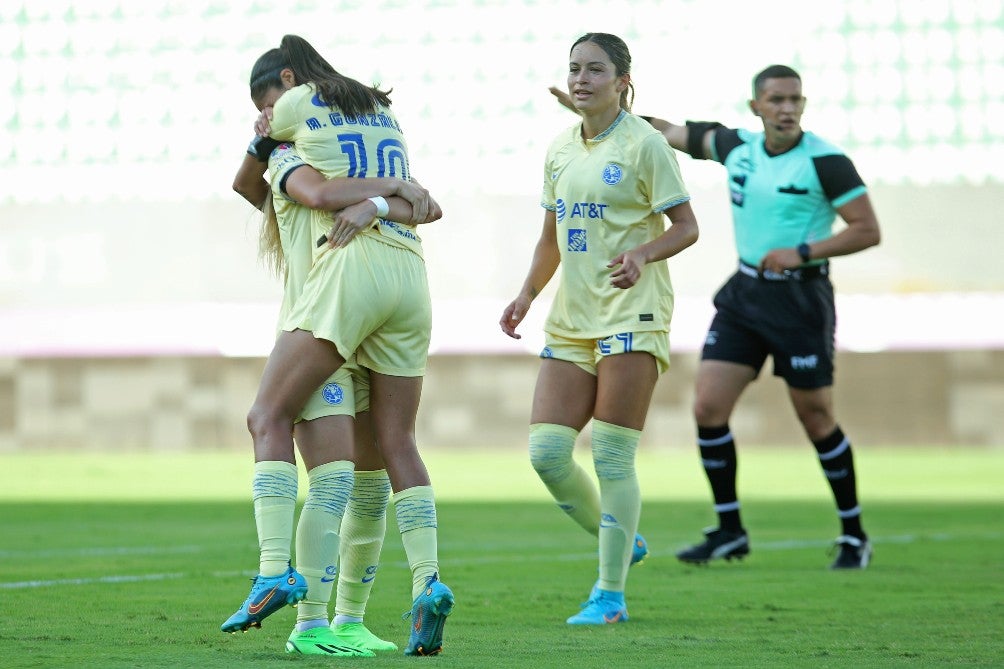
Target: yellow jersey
[
  {"x": 337, "y": 145},
  {"x": 609, "y": 194}
]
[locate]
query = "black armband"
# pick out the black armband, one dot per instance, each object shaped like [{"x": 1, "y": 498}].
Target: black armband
[
  {"x": 696, "y": 130},
  {"x": 262, "y": 147}
]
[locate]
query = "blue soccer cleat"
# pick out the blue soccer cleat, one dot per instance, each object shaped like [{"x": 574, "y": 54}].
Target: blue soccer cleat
[
  {"x": 639, "y": 551},
  {"x": 268, "y": 595},
  {"x": 603, "y": 608},
  {"x": 428, "y": 616}
]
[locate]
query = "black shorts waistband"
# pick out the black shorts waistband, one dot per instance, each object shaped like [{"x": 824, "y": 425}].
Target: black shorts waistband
[{"x": 799, "y": 274}]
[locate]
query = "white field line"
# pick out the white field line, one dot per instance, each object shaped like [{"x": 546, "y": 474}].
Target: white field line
[
  {"x": 567, "y": 557},
  {"x": 138, "y": 578},
  {"x": 96, "y": 552}
]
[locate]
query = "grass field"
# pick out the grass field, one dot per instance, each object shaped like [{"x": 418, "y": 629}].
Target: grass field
[{"x": 135, "y": 560}]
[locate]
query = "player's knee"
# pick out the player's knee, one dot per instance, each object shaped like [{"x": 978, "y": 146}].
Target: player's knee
[
  {"x": 818, "y": 426},
  {"x": 708, "y": 412},
  {"x": 261, "y": 419},
  {"x": 551, "y": 449},
  {"x": 817, "y": 419}
]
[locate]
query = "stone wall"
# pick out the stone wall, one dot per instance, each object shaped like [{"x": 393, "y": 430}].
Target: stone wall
[{"x": 166, "y": 403}]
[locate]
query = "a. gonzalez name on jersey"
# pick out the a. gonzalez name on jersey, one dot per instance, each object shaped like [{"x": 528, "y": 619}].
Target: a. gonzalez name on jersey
[{"x": 337, "y": 119}]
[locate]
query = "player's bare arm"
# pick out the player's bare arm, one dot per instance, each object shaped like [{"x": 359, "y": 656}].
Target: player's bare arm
[
  {"x": 546, "y": 259},
  {"x": 316, "y": 192},
  {"x": 676, "y": 135},
  {"x": 249, "y": 182}
]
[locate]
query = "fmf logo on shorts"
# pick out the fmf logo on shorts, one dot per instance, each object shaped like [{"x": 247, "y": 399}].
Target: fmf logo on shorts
[{"x": 804, "y": 362}]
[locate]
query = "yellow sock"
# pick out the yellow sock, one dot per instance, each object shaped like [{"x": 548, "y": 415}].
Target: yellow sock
[
  {"x": 317, "y": 535},
  {"x": 614, "y": 449},
  {"x": 573, "y": 490},
  {"x": 415, "y": 509},
  {"x": 274, "y": 494},
  {"x": 363, "y": 529}
]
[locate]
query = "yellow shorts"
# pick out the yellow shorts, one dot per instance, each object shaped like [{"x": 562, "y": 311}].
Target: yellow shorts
[
  {"x": 371, "y": 299},
  {"x": 344, "y": 393},
  {"x": 586, "y": 353}
]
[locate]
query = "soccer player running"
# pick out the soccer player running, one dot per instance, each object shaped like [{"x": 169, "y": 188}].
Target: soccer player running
[
  {"x": 366, "y": 296},
  {"x": 610, "y": 183},
  {"x": 787, "y": 186},
  {"x": 287, "y": 246}
]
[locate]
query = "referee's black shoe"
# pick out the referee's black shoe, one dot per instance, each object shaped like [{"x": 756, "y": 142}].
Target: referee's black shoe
[
  {"x": 855, "y": 553},
  {"x": 718, "y": 544}
]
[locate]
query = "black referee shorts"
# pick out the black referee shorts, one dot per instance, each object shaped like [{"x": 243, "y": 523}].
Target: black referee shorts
[{"x": 791, "y": 318}]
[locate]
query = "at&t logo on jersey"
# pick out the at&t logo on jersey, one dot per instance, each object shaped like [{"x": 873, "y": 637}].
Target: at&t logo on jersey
[
  {"x": 585, "y": 210},
  {"x": 612, "y": 174},
  {"x": 560, "y": 210},
  {"x": 333, "y": 393}
]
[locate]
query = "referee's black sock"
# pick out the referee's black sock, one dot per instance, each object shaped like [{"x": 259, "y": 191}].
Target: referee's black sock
[
  {"x": 718, "y": 456},
  {"x": 837, "y": 460}
]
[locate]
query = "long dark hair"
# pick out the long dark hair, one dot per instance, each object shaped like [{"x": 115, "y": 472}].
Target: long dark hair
[
  {"x": 617, "y": 52},
  {"x": 333, "y": 88}
]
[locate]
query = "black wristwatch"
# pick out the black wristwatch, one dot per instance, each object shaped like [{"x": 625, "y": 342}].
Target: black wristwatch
[{"x": 804, "y": 251}]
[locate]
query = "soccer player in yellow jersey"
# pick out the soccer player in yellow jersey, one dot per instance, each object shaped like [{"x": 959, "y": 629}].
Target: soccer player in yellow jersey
[
  {"x": 287, "y": 245},
  {"x": 367, "y": 297},
  {"x": 610, "y": 183}
]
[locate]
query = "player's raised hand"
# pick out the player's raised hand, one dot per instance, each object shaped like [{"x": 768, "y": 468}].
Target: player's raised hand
[
  {"x": 262, "y": 126},
  {"x": 563, "y": 98}
]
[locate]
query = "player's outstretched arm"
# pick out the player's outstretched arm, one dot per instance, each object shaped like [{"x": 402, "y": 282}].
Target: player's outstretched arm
[{"x": 676, "y": 135}]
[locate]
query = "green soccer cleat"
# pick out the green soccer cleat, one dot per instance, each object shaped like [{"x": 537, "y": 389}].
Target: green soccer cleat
[
  {"x": 356, "y": 634},
  {"x": 268, "y": 595},
  {"x": 428, "y": 616},
  {"x": 322, "y": 641}
]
